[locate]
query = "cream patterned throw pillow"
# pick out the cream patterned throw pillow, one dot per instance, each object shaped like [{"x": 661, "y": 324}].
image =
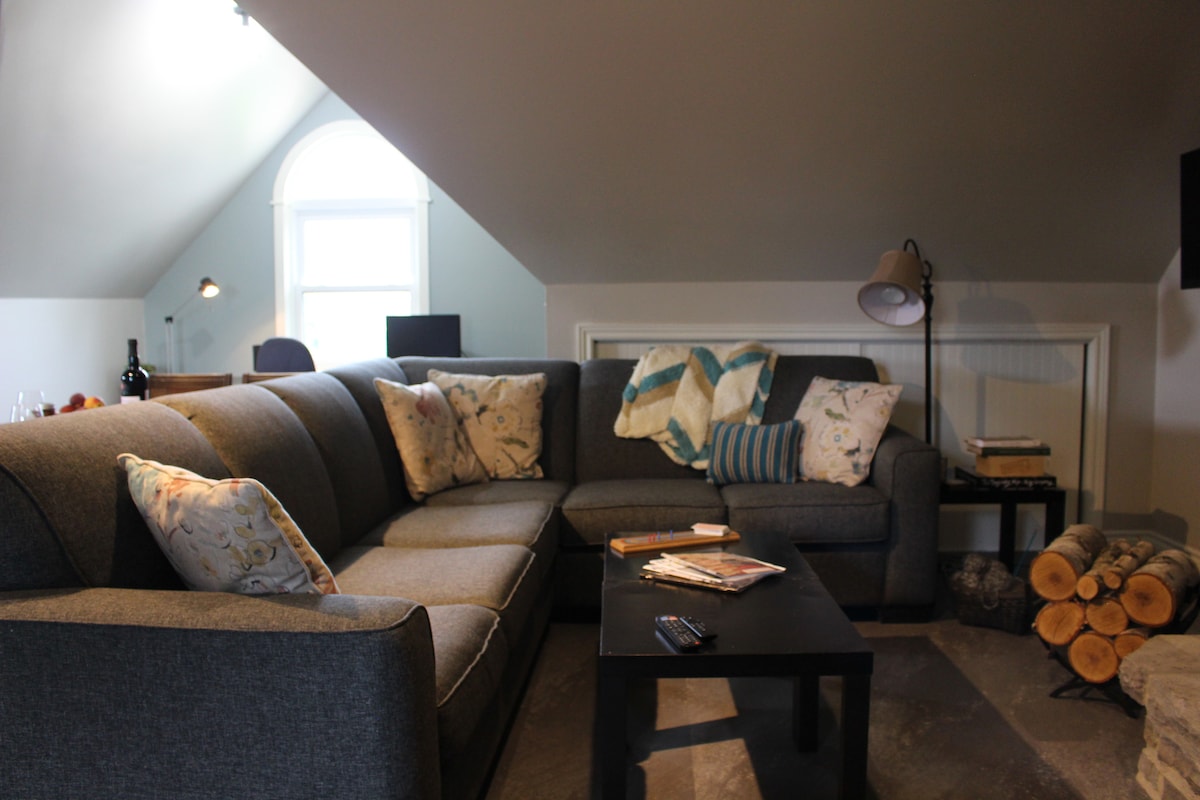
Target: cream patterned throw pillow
[
  {"x": 843, "y": 423},
  {"x": 230, "y": 535},
  {"x": 433, "y": 447},
  {"x": 502, "y": 415}
]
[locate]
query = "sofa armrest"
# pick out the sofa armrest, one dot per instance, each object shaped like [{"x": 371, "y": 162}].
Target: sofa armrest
[
  {"x": 908, "y": 472},
  {"x": 123, "y": 693}
]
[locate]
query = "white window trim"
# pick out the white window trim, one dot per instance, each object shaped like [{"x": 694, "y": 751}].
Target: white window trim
[{"x": 286, "y": 316}]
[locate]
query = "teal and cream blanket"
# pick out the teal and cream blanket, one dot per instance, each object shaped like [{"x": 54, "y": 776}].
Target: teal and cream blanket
[{"x": 677, "y": 392}]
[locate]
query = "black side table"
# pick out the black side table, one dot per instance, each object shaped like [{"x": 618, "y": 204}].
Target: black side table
[{"x": 1055, "y": 501}]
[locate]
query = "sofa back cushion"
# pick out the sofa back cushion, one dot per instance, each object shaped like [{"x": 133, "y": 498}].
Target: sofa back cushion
[
  {"x": 604, "y": 456},
  {"x": 601, "y": 455},
  {"x": 559, "y": 401},
  {"x": 258, "y": 436},
  {"x": 347, "y": 447},
  {"x": 793, "y": 374},
  {"x": 359, "y": 380},
  {"x": 68, "y": 518}
]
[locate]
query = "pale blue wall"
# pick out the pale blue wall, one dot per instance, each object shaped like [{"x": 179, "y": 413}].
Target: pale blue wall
[{"x": 503, "y": 306}]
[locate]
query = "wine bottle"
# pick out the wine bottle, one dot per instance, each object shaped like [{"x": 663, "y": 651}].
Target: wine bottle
[{"x": 134, "y": 380}]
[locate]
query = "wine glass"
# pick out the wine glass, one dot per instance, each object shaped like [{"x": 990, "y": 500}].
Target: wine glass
[{"x": 29, "y": 405}]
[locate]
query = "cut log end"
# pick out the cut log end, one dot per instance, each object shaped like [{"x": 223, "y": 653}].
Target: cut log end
[
  {"x": 1054, "y": 575},
  {"x": 1059, "y": 623},
  {"x": 1153, "y": 594},
  {"x": 1093, "y": 657},
  {"x": 1128, "y": 641},
  {"x": 1106, "y": 615},
  {"x": 1088, "y": 587}
]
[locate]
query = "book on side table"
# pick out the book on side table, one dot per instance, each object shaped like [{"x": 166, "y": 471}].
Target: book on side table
[{"x": 973, "y": 478}]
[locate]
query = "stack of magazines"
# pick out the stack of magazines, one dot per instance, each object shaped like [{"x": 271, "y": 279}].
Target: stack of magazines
[{"x": 726, "y": 572}]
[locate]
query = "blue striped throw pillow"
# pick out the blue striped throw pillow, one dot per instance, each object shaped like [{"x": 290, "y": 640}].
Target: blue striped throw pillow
[{"x": 754, "y": 453}]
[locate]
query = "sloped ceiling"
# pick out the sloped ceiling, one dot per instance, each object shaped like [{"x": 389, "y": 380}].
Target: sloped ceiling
[
  {"x": 124, "y": 126},
  {"x": 755, "y": 140}
]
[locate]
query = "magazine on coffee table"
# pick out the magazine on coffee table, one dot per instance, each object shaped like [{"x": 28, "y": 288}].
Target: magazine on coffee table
[{"x": 727, "y": 572}]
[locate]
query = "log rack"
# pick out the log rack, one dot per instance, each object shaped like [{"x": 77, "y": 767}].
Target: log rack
[{"x": 1079, "y": 689}]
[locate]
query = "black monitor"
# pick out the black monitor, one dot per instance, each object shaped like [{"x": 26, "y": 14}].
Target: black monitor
[
  {"x": 1189, "y": 220},
  {"x": 424, "y": 335}
]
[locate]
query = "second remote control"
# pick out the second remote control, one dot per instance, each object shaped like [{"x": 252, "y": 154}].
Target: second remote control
[
  {"x": 698, "y": 628},
  {"x": 677, "y": 632}
]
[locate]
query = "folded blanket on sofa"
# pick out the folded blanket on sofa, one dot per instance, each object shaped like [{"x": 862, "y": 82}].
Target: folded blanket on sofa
[{"x": 678, "y": 391}]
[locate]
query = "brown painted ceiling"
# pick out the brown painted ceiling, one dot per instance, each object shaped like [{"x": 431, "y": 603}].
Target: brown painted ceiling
[
  {"x": 613, "y": 141},
  {"x": 752, "y": 140}
]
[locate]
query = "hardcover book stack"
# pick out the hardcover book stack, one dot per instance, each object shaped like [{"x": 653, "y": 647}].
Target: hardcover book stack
[{"x": 1008, "y": 462}]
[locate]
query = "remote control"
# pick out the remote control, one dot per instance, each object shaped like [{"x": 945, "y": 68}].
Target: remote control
[
  {"x": 698, "y": 628},
  {"x": 677, "y": 632}
]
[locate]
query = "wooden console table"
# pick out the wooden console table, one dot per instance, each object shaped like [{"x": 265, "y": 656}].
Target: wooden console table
[
  {"x": 1055, "y": 501},
  {"x": 163, "y": 383}
]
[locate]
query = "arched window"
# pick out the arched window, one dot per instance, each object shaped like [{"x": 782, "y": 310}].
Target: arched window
[{"x": 351, "y": 242}]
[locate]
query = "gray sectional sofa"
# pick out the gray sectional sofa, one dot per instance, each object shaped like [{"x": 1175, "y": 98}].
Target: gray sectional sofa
[{"x": 114, "y": 683}]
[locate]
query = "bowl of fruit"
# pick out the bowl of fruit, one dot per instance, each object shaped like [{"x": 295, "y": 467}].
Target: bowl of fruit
[{"x": 79, "y": 401}]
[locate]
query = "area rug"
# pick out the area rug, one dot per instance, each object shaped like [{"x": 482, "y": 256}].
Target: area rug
[{"x": 933, "y": 734}]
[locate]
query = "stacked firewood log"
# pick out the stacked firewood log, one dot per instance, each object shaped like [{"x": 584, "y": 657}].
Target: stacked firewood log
[{"x": 1103, "y": 599}]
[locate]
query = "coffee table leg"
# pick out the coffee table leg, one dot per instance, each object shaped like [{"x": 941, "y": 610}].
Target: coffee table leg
[
  {"x": 856, "y": 718},
  {"x": 612, "y": 699},
  {"x": 806, "y": 692}
]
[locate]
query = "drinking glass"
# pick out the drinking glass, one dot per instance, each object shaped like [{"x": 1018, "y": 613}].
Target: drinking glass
[{"x": 29, "y": 405}]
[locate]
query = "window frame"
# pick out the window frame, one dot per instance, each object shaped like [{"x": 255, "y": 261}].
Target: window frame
[{"x": 289, "y": 288}]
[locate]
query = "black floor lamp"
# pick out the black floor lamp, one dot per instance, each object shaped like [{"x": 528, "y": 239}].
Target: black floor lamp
[
  {"x": 208, "y": 289},
  {"x": 901, "y": 293}
]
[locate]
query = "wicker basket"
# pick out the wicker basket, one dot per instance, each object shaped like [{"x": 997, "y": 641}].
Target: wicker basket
[{"x": 1008, "y": 610}]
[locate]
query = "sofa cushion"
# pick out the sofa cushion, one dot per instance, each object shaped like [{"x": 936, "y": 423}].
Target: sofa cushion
[
  {"x": 359, "y": 380},
  {"x": 463, "y": 526},
  {"x": 347, "y": 447},
  {"x": 809, "y": 512},
  {"x": 543, "y": 491},
  {"x": 596, "y": 508},
  {"x": 68, "y": 516},
  {"x": 754, "y": 453},
  {"x": 499, "y": 577},
  {"x": 470, "y": 654},
  {"x": 558, "y": 401},
  {"x": 529, "y": 524},
  {"x": 843, "y": 422},
  {"x": 601, "y": 455},
  {"x": 433, "y": 447},
  {"x": 794, "y": 374},
  {"x": 502, "y": 416},
  {"x": 257, "y": 435},
  {"x": 230, "y": 535}
]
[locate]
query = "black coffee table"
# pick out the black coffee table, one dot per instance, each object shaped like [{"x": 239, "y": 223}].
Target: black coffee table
[{"x": 786, "y": 625}]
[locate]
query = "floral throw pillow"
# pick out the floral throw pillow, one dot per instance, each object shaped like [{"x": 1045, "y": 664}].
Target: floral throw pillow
[
  {"x": 843, "y": 422},
  {"x": 502, "y": 415},
  {"x": 433, "y": 447},
  {"x": 230, "y": 535}
]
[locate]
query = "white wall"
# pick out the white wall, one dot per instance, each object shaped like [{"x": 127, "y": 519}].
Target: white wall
[
  {"x": 1176, "y": 493},
  {"x": 65, "y": 346},
  {"x": 502, "y": 305},
  {"x": 1129, "y": 308}
]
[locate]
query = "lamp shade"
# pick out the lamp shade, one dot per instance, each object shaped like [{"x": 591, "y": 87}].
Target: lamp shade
[
  {"x": 893, "y": 295},
  {"x": 209, "y": 288}
]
